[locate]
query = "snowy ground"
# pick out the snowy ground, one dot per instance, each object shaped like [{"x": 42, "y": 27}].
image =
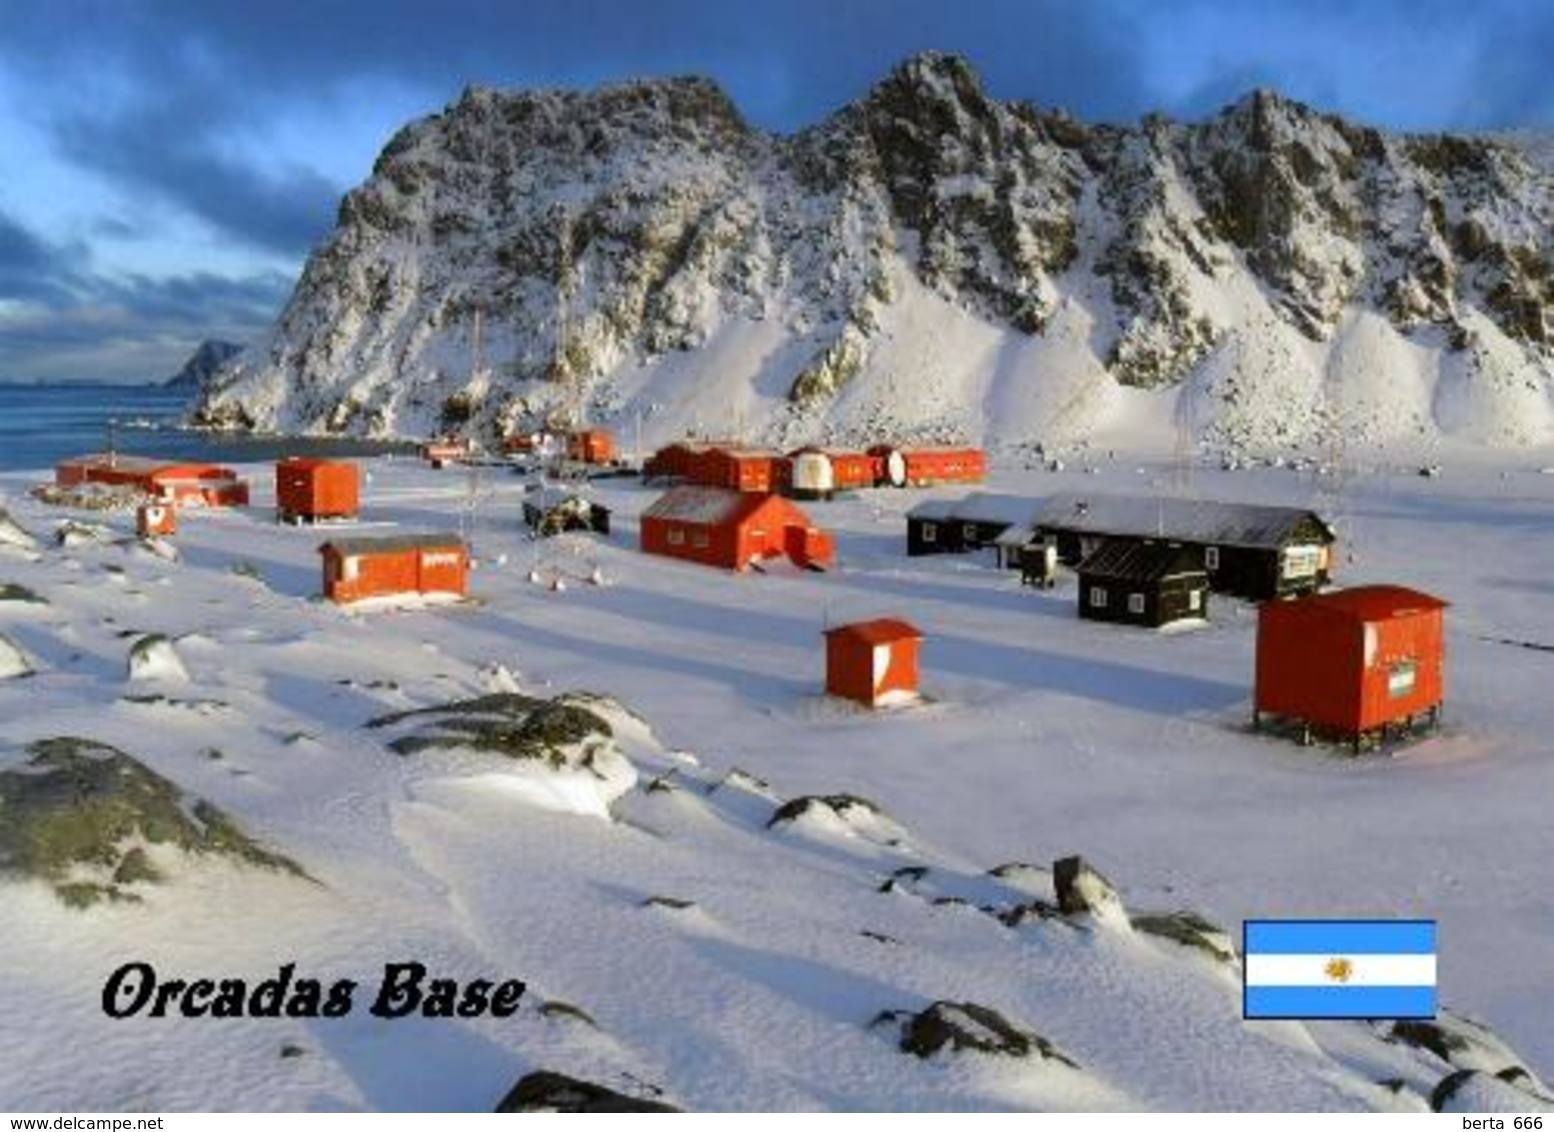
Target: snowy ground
[{"x": 1043, "y": 736}]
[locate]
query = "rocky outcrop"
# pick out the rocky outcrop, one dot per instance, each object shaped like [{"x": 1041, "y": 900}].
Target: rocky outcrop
[
  {"x": 547, "y": 1091},
  {"x": 592, "y": 236},
  {"x": 88, "y": 819},
  {"x": 203, "y": 364}
]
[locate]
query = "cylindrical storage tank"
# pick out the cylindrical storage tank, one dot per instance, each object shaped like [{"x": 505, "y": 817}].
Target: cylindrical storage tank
[
  {"x": 812, "y": 475},
  {"x": 895, "y": 468}
]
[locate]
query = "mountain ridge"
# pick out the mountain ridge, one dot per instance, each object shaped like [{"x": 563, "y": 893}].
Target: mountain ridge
[{"x": 927, "y": 260}]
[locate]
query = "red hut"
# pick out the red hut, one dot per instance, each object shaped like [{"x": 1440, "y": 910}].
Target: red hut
[
  {"x": 1351, "y": 663},
  {"x": 873, "y": 662},
  {"x": 718, "y": 526},
  {"x": 591, "y": 446},
  {"x": 394, "y": 566},
  {"x": 307, "y": 490},
  {"x": 187, "y": 484},
  {"x": 156, "y": 520}
]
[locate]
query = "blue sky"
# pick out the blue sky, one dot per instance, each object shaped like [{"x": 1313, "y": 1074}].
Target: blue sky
[{"x": 166, "y": 165}]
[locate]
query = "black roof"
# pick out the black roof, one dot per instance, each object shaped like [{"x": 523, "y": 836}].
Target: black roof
[
  {"x": 1126, "y": 560},
  {"x": 1206, "y": 521}
]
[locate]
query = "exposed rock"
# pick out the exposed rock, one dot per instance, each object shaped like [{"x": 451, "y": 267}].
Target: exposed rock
[
  {"x": 557, "y": 731},
  {"x": 842, "y": 806},
  {"x": 73, "y": 532},
  {"x": 546, "y": 1091},
  {"x": 153, "y": 657},
  {"x": 967, "y": 1026},
  {"x": 13, "y": 534},
  {"x": 1190, "y": 930},
  {"x": 80, "y": 815},
  {"x": 556, "y": 1008},
  {"x": 1463, "y": 1044},
  {"x": 13, "y": 662},
  {"x": 12, "y": 591},
  {"x": 1084, "y": 891},
  {"x": 1473, "y": 1090}
]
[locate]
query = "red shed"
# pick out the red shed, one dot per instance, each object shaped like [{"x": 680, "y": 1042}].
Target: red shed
[
  {"x": 308, "y": 489},
  {"x": 1352, "y": 662},
  {"x": 182, "y": 484},
  {"x": 394, "y": 566},
  {"x": 873, "y": 662},
  {"x": 155, "y": 520},
  {"x": 718, "y": 526},
  {"x": 591, "y": 446}
]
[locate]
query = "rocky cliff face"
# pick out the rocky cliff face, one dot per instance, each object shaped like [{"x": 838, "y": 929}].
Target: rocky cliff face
[
  {"x": 926, "y": 261},
  {"x": 203, "y": 364}
]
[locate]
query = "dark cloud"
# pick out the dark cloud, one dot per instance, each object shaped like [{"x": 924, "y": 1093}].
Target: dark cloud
[
  {"x": 61, "y": 319},
  {"x": 285, "y": 211}
]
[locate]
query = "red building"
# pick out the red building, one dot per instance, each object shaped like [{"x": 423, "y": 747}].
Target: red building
[
  {"x": 818, "y": 473},
  {"x": 156, "y": 520},
  {"x": 184, "y": 485},
  {"x": 308, "y": 489},
  {"x": 395, "y": 566},
  {"x": 873, "y": 662},
  {"x": 447, "y": 450},
  {"x": 591, "y": 446},
  {"x": 718, "y": 526},
  {"x": 1351, "y": 663},
  {"x": 925, "y": 467},
  {"x": 742, "y": 469}
]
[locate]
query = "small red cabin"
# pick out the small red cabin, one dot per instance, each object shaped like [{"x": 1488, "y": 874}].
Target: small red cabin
[
  {"x": 307, "y": 490},
  {"x": 925, "y": 467},
  {"x": 718, "y": 526},
  {"x": 156, "y": 520},
  {"x": 591, "y": 446},
  {"x": 873, "y": 662},
  {"x": 1352, "y": 662},
  {"x": 394, "y": 566},
  {"x": 189, "y": 484}
]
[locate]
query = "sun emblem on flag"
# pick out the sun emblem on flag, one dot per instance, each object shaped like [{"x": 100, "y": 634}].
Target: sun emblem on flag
[{"x": 1339, "y": 970}]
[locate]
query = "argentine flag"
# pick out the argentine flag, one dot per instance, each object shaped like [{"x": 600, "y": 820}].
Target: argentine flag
[{"x": 1338, "y": 969}]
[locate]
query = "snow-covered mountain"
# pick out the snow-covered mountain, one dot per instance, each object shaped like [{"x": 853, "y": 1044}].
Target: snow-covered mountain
[
  {"x": 207, "y": 359},
  {"x": 927, "y": 260}
]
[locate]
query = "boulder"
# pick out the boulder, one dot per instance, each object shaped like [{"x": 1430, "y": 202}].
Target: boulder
[
  {"x": 13, "y": 662},
  {"x": 152, "y": 657},
  {"x": 968, "y": 1026},
  {"x": 547, "y": 1091},
  {"x": 1473, "y": 1090},
  {"x": 1190, "y": 930},
  {"x": 80, "y": 816},
  {"x": 1082, "y": 890}
]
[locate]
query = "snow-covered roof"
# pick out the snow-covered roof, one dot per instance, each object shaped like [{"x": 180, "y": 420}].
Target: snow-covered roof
[
  {"x": 389, "y": 544},
  {"x": 880, "y": 631},
  {"x": 979, "y": 507},
  {"x": 1206, "y": 521},
  {"x": 693, "y": 503}
]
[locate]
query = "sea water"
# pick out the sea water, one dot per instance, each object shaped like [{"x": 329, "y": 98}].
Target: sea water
[{"x": 43, "y": 424}]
